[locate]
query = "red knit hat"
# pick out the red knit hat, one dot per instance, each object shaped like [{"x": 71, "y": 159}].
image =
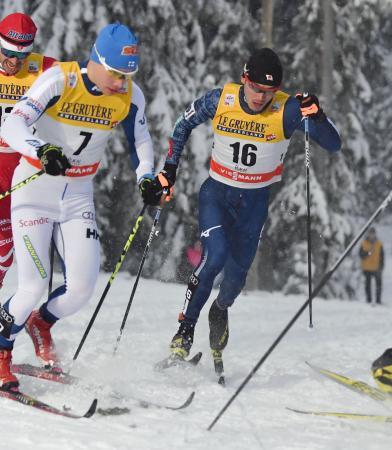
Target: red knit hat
[{"x": 17, "y": 32}]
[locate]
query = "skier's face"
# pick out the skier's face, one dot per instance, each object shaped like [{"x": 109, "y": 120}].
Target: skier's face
[
  {"x": 108, "y": 81},
  {"x": 12, "y": 62},
  {"x": 257, "y": 95}
]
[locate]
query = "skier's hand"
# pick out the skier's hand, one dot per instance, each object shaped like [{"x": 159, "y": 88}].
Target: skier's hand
[
  {"x": 310, "y": 107},
  {"x": 153, "y": 189},
  {"x": 150, "y": 192},
  {"x": 53, "y": 160},
  {"x": 166, "y": 178},
  {"x": 169, "y": 172}
]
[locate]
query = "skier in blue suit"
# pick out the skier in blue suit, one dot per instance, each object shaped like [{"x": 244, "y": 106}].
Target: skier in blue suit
[{"x": 253, "y": 122}]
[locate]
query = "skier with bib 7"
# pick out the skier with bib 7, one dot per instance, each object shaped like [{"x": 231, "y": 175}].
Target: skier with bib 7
[{"x": 74, "y": 107}]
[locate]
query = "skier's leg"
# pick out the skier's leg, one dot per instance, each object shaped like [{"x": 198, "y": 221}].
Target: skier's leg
[
  {"x": 244, "y": 240},
  {"x": 6, "y": 242},
  {"x": 32, "y": 233},
  {"x": 213, "y": 220},
  {"x": 80, "y": 248},
  {"x": 79, "y": 245},
  {"x": 8, "y": 162}
]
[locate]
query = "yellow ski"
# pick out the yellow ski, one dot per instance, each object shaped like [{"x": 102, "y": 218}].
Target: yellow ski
[
  {"x": 343, "y": 415},
  {"x": 356, "y": 385}
]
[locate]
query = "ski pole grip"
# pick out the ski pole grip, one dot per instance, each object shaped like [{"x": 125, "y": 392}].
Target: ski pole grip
[{"x": 167, "y": 195}]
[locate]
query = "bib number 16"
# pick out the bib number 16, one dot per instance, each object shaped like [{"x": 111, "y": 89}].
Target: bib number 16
[{"x": 247, "y": 154}]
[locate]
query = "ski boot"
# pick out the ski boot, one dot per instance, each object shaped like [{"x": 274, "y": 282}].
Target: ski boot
[
  {"x": 182, "y": 341},
  {"x": 180, "y": 346},
  {"x": 218, "y": 320},
  {"x": 8, "y": 380},
  {"x": 382, "y": 371},
  {"x": 39, "y": 331}
]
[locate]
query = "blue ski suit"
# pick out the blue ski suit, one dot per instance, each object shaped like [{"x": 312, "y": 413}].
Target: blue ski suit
[{"x": 231, "y": 218}]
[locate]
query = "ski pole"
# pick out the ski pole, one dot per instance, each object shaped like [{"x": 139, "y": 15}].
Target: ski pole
[
  {"x": 153, "y": 232},
  {"x": 109, "y": 283},
  {"x": 21, "y": 184},
  {"x": 318, "y": 288},
  {"x": 308, "y": 221}
]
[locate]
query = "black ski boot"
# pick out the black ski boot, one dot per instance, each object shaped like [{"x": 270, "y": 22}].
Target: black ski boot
[
  {"x": 180, "y": 347},
  {"x": 182, "y": 341},
  {"x": 382, "y": 371},
  {"x": 218, "y": 320}
]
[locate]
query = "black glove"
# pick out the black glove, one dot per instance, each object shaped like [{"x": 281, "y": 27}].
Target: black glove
[
  {"x": 53, "y": 160},
  {"x": 169, "y": 171},
  {"x": 153, "y": 189},
  {"x": 310, "y": 107}
]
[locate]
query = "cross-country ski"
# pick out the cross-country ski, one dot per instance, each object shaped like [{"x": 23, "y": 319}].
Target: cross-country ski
[{"x": 28, "y": 400}]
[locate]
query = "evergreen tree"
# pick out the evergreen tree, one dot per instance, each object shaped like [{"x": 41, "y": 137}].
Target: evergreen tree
[
  {"x": 338, "y": 182},
  {"x": 188, "y": 48},
  {"x": 191, "y": 51}
]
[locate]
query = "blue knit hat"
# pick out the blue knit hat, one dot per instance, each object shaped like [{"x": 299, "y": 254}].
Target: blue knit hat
[{"x": 116, "y": 48}]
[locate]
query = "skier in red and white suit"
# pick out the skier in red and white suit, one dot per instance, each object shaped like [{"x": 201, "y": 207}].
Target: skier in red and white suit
[{"x": 19, "y": 68}]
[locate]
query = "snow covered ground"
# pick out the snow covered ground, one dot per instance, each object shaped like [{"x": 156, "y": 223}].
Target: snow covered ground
[{"x": 347, "y": 337}]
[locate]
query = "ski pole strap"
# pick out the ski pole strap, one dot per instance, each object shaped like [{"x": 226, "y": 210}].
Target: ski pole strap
[
  {"x": 163, "y": 180},
  {"x": 168, "y": 190},
  {"x": 21, "y": 184}
]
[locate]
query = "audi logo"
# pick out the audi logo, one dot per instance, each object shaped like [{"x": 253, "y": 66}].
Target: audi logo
[{"x": 88, "y": 215}]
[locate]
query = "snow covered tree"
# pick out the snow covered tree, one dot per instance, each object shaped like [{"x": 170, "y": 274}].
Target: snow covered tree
[
  {"x": 190, "y": 47},
  {"x": 338, "y": 183},
  {"x": 191, "y": 50}
]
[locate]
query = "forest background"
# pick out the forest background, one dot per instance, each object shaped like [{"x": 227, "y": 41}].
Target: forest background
[{"x": 339, "y": 50}]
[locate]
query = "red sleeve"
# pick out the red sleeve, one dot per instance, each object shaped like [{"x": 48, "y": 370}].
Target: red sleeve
[{"x": 47, "y": 62}]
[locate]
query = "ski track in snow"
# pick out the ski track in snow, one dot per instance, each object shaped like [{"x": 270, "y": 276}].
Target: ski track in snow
[{"x": 347, "y": 336}]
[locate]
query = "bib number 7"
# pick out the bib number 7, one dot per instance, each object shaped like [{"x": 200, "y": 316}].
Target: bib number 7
[
  {"x": 86, "y": 140},
  {"x": 247, "y": 154}
]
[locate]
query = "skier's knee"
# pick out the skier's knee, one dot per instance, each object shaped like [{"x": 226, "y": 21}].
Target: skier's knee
[
  {"x": 215, "y": 263},
  {"x": 33, "y": 290}
]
